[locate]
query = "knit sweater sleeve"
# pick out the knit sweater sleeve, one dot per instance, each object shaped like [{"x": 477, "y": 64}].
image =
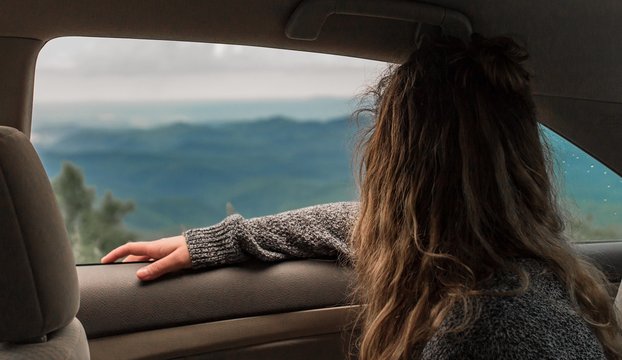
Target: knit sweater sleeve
[{"x": 320, "y": 231}]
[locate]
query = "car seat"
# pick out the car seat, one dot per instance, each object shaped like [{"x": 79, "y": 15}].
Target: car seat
[{"x": 39, "y": 293}]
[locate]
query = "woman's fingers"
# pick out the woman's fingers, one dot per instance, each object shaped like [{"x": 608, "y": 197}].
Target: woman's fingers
[
  {"x": 121, "y": 251},
  {"x": 151, "y": 249},
  {"x": 173, "y": 262},
  {"x": 169, "y": 254}
]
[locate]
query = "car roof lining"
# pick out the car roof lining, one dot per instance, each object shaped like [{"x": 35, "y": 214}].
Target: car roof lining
[
  {"x": 307, "y": 20},
  {"x": 563, "y": 64}
]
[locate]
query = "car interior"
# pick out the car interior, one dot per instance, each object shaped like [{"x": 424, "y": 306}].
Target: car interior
[{"x": 52, "y": 309}]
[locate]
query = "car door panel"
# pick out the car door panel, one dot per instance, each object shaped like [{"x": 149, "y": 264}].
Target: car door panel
[
  {"x": 295, "y": 309},
  {"x": 114, "y": 301}
]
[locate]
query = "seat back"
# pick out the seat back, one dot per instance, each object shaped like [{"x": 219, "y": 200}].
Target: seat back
[{"x": 39, "y": 294}]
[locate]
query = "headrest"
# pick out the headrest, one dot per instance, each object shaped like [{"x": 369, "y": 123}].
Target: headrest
[{"x": 38, "y": 281}]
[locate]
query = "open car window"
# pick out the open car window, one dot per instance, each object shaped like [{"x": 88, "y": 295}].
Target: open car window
[{"x": 144, "y": 139}]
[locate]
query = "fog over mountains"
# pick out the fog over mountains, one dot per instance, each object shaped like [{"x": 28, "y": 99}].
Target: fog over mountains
[{"x": 152, "y": 114}]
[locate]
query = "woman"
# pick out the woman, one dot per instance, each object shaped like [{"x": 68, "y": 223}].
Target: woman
[{"x": 457, "y": 242}]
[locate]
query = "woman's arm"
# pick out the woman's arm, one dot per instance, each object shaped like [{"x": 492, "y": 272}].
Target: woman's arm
[{"x": 320, "y": 231}]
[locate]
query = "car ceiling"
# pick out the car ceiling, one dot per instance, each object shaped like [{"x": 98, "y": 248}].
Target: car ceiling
[
  {"x": 575, "y": 45},
  {"x": 563, "y": 36}
]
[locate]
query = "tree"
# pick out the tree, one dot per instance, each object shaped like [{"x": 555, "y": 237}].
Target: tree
[{"x": 93, "y": 230}]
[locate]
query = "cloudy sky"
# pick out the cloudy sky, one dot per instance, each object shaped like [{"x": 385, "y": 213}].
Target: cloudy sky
[{"x": 88, "y": 69}]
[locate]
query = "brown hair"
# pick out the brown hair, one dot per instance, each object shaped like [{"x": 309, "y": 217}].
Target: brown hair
[{"x": 455, "y": 185}]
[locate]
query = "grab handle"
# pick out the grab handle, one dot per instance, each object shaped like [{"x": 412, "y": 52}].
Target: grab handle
[{"x": 308, "y": 19}]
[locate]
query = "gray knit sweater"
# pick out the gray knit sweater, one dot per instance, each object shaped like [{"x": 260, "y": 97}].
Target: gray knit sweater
[{"x": 539, "y": 324}]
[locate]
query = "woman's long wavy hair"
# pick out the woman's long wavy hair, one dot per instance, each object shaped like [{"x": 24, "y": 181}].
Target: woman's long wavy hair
[{"x": 456, "y": 184}]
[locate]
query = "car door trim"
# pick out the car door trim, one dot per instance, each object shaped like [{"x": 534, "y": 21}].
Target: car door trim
[{"x": 227, "y": 334}]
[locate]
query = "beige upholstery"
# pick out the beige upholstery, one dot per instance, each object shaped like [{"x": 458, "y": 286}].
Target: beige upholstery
[
  {"x": 40, "y": 294},
  {"x": 68, "y": 343}
]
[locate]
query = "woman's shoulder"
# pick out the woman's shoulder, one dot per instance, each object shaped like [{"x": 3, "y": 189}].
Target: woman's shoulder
[{"x": 538, "y": 323}]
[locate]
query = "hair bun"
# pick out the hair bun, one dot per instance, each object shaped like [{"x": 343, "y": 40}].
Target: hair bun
[{"x": 501, "y": 60}]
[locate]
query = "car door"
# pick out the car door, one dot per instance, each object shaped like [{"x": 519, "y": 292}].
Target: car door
[{"x": 291, "y": 310}]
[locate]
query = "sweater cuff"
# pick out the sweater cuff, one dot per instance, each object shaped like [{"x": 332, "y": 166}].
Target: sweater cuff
[{"x": 215, "y": 245}]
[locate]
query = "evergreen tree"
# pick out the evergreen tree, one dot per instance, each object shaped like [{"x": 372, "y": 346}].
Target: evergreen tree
[{"x": 93, "y": 230}]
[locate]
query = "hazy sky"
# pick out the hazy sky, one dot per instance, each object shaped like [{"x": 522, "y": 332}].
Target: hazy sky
[{"x": 92, "y": 69}]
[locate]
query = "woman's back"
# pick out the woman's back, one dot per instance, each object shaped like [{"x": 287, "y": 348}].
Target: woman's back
[{"x": 539, "y": 324}]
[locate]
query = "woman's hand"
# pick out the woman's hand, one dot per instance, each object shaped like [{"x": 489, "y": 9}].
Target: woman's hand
[{"x": 168, "y": 254}]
